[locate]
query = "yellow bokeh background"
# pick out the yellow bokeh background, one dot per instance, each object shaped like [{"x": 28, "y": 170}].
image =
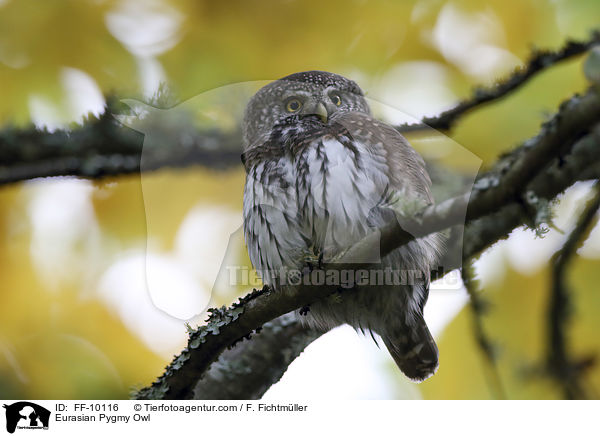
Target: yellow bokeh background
[{"x": 60, "y": 340}]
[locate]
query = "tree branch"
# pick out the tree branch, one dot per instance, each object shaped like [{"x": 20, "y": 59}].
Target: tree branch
[
  {"x": 250, "y": 368},
  {"x": 579, "y": 165},
  {"x": 102, "y": 147}
]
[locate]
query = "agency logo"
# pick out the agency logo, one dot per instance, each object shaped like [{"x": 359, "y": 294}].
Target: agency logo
[{"x": 26, "y": 415}]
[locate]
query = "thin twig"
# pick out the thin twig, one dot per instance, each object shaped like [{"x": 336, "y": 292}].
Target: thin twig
[
  {"x": 478, "y": 309},
  {"x": 566, "y": 371},
  {"x": 539, "y": 61}
]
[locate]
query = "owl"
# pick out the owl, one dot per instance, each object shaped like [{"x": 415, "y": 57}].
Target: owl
[{"x": 321, "y": 174}]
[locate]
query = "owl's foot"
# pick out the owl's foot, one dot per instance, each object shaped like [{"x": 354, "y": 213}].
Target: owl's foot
[{"x": 313, "y": 260}]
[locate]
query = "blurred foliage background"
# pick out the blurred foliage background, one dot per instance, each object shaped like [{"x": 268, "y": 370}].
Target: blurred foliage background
[{"x": 77, "y": 319}]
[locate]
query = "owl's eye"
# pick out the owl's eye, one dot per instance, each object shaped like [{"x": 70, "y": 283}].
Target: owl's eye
[
  {"x": 293, "y": 105},
  {"x": 336, "y": 99}
]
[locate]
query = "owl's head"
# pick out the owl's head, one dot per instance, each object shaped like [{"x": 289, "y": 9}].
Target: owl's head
[{"x": 300, "y": 100}]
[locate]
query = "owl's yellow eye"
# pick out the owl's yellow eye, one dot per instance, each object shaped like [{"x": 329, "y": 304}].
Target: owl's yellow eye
[
  {"x": 336, "y": 99},
  {"x": 293, "y": 105}
]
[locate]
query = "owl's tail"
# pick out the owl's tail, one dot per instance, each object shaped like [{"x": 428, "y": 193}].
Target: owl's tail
[{"x": 412, "y": 348}]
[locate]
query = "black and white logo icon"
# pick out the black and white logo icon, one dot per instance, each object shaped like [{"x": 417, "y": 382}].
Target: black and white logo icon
[{"x": 26, "y": 415}]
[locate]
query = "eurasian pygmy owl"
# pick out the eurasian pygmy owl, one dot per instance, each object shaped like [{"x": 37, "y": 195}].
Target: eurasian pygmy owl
[{"x": 321, "y": 174}]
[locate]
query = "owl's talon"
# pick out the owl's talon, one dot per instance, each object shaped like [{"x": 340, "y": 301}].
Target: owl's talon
[
  {"x": 304, "y": 311},
  {"x": 313, "y": 260}
]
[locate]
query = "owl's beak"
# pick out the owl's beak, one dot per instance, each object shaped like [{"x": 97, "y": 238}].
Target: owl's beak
[{"x": 321, "y": 111}]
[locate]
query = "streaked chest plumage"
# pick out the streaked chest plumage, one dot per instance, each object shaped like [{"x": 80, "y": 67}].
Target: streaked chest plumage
[{"x": 317, "y": 197}]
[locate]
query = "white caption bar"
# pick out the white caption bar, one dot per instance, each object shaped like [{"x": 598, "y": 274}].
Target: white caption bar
[{"x": 22, "y": 417}]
